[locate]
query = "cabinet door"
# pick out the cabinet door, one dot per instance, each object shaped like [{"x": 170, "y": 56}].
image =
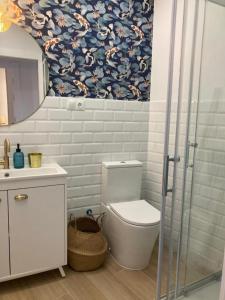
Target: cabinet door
[
  {"x": 37, "y": 229},
  {"x": 4, "y": 236}
]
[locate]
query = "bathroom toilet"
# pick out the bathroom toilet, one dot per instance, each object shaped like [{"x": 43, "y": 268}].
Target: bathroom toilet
[{"x": 131, "y": 225}]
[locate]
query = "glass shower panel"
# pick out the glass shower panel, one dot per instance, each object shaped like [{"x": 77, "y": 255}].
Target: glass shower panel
[
  {"x": 206, "y": 213},
  {"x": 174, "y": 161},
  {"x": 194, "y": 214}
]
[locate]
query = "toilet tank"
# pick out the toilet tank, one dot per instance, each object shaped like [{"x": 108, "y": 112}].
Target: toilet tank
[{"x": 121, "y": 181}]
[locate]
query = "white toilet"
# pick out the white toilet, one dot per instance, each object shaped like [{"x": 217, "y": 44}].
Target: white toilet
[{"x": 131, "y": 225}]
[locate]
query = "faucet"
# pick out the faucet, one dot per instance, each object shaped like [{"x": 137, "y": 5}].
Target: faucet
[{"x": 5, "y": 161}]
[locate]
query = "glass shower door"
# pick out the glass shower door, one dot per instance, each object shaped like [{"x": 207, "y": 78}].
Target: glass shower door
[
  {"x": 176, "y": 176},
  {"x": 203, "y": 243},
  {"x": 193, "y": 197}
]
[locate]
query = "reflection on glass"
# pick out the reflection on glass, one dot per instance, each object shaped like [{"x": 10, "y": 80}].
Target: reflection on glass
[
  {"x": 20, "y": 82},
  {"x": 3, "y": 98},
  {"x": 24, "y": 76}
]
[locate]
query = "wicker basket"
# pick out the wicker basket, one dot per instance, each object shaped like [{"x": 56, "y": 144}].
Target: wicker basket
[{"x": 87, "y": 247}]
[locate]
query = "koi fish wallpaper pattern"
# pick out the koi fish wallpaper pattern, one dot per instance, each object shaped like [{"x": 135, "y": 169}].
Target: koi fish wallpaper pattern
[{"x": 95, "y": 48}]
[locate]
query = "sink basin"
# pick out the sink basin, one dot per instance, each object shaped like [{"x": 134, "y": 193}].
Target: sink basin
[{"x": 48, "y": 170}]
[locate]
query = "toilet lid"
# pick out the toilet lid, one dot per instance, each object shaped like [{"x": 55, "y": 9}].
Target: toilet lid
[{"x": 138, "y": 212}]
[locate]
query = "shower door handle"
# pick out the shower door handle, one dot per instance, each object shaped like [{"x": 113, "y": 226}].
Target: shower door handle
[
  {"x": 168, "y": 159},
  {"x": 189, "y": 146}
]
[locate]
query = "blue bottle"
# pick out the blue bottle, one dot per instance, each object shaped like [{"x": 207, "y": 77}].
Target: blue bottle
[{"x": 18, "y": 158}]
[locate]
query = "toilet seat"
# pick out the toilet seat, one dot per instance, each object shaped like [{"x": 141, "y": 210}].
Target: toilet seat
[{"x": 138, "y": 212}]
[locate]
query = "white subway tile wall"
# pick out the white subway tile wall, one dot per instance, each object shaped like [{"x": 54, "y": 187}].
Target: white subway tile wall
[
  {"x": 122, "y": 130},
  {"x": 80, "y": 140},
  {"x": 207, "y": 231},
  {"x": 208, "y": 203}
]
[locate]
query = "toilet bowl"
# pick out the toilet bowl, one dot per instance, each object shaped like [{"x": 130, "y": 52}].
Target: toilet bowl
[
  {"x": 132, "y": 229},
  {"x": 131, "y": 226}
]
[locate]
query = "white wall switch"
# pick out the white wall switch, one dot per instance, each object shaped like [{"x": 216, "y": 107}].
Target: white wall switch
[
  {"x": 75, "y": 104},
  {"x": 80, "y": 105}
]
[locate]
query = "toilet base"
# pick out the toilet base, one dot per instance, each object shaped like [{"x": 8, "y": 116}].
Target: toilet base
[
  {"x": 125, "y": 267},
  {"x": 131, "y": 245}
]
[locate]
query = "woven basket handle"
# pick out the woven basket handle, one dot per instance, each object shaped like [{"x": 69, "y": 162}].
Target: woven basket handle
[
  {"x": 71, "y": 219},
  {"x": 99, "y": 219}
]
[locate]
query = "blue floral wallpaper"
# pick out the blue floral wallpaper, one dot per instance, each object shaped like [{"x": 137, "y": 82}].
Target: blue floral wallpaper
[{"x": 95, "y": 48}]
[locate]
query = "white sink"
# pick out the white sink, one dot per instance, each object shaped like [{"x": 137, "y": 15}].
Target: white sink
[{"x": 46, "y": 171}]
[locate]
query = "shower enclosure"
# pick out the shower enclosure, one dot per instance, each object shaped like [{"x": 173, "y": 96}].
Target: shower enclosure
[{"x": 192, "y": 236}]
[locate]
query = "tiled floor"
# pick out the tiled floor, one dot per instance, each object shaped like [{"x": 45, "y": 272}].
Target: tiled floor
[
  {"x": 111, "y": 282},
  {"x": 209, "y": 292},
  {"x": 108, "y": 283}
]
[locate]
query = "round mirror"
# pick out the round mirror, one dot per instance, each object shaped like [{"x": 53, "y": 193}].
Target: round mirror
[{"x": 24, "y": 76}]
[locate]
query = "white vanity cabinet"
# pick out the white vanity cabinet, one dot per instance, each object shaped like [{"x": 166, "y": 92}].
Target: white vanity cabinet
[
  {"x": 4, "y": 237},
  {"x": 33, "y": 225}
]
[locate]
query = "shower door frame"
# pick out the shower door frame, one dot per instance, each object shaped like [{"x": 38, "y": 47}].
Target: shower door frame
[
  {"x": 195, "y": 60},
  {"x": 175, "y": 159},
  {"x": 194, "y": 96}
]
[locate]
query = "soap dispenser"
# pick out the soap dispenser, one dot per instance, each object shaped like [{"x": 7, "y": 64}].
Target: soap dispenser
[{"x": 18, "y": 158}]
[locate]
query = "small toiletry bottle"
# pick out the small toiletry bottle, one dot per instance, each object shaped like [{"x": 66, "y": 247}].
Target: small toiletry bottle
[{"x": 18, "y": 158}]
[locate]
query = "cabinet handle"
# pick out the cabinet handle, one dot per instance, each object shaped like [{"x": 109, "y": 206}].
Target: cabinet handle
[{"x": 20, "y": 197}]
